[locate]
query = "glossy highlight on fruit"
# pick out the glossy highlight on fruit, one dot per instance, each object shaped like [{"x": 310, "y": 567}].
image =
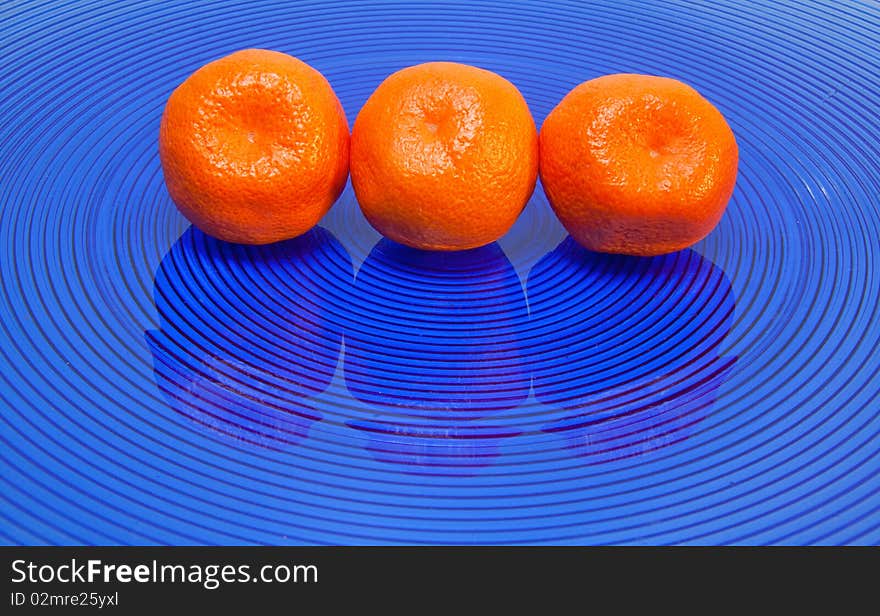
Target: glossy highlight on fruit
[
  {"x": 254, "y": 147},
  {"x": 444, "y": 156},
  {"x": 637, "y": 164}
]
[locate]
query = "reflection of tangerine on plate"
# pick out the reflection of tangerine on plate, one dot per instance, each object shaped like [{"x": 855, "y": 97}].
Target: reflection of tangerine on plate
[
  {"x": 432, "y": 447},
  {"x": 437, "y": 335},
  {"x": 636, "y": 429},
  {"x": 444, "y": 156},
  {"x": 254, "y": 147},
  {"x": 249, "y": 335},
  {"x": 637, "y": 164},
  {"x": 627, "y": 351},
  {"x": 217, "y": 394},
  {"x": 433, "y": 348}
]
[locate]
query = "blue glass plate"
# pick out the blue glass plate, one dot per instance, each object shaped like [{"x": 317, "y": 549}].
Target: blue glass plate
[{"x": 159, "y": 386}]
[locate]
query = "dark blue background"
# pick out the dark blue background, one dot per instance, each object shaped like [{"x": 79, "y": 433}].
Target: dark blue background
[{"x": 159, "y": 386}]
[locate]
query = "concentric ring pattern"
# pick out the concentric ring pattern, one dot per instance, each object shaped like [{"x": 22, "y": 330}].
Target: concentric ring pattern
[{"x": 159, "y": 386}]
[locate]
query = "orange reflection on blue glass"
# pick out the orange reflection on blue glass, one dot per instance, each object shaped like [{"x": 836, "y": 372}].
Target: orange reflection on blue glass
[
  {"x": 434, "y": 347},
  {"x": 249, "y": 335},
  {"x": 627, "y": 350}
]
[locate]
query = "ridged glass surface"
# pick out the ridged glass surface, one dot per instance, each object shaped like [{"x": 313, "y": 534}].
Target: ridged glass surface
[{"x": 160, "y": 386}]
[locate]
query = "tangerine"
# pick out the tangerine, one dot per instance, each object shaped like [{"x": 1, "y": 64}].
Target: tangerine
[
  {"x": 444, "y": 156},
  {"x": 637, "y": 164},
  {"x": 254, "y": 147}
]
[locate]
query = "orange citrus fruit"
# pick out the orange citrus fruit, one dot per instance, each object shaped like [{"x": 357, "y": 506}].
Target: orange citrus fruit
[
  {"x": 637, "y": 164},
  {"x": 444, "y": 156},
  {"x": 254, "y": 147}
]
